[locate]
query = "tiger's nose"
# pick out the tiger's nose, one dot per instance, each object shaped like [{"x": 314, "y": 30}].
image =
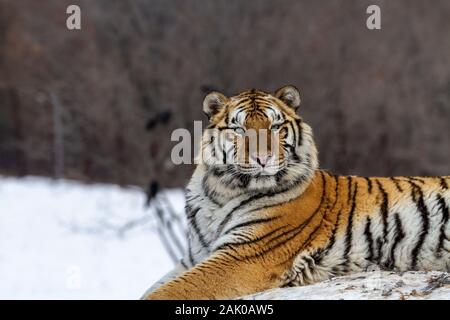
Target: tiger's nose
[{"x": 261, "y": 159}]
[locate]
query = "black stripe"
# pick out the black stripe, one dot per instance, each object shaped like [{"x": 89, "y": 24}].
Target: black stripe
[
  {"x": 184, "y": 264},
  {"x": 228, "y": 254},
  {"x": 193, "y": 222},
  {"x": 291, "y": 149},
  {"x": 191, "y": 257},
  {"x": 252, "y": 241},
  {"x": 397, "y": 184},
  {"x": 369, "y": 184},
  {"x": 384, "y": 210},
  {"x": 244, "y": 180},
  {"x": 217, "y": 171},
  {"x": 413, "y": 185},
  {"x": 336, "y": 223},
  {"x": 211, "y": 195},
  {"x": 272, "y": 109},
  {"x": 379, "y": 250},
  {"x": 349, "y": 189},
  {"x": 417, "y": 195},
  {"x": 349, "y": 231},
  {"x": 271, "y": 205},
  {"x": 369, "y": 239},
  {"x": 300, "y": 132},
  {"x": 399, "y": 235},
  {"x": 294, "y": 132},
  {"x": 191, "y": 212},
  {"x": 224, "y": 156},
  {"x": 444, "y": 184},
  {"x": 239, "y": 112},
  {"x": 416, "y": 179},
  {"x": 240, "y": 205},
  {"x": 219, "y": 128},
  {"x": 445, "y": 216},
  {"x": 250, "y": 223}
]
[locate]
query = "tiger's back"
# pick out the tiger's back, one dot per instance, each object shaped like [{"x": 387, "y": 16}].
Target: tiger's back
[{"x": 398, "y": 223}]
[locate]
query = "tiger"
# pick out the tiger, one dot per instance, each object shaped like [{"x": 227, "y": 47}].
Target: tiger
[{"x": 276, "y": 220}]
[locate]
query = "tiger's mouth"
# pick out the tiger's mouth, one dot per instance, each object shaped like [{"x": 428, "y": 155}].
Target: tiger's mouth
[{"x": 258, "y": 171}]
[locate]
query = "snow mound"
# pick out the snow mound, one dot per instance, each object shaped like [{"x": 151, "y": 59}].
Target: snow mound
[{"x": 378, "y": 285}]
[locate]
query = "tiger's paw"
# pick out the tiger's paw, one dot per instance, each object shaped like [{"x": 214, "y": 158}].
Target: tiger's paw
[{"x": 305, "y": 271}]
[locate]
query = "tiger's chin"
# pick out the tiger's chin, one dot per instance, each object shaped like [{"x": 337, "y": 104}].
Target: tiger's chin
[
  {"x": 262, "y": 178},
  {"x": 259, "y": 183}
]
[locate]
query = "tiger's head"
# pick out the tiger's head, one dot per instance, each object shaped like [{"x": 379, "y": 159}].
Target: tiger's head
[{"x": 255, "y": 140}]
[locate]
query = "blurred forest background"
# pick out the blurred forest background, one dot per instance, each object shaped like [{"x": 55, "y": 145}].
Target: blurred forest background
[{"x": 100, "y": 104}]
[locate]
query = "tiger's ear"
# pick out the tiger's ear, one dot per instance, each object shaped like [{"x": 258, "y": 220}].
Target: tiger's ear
[
  {"x": 213, "y": 103},
  {"x": 289, "y": 95}
]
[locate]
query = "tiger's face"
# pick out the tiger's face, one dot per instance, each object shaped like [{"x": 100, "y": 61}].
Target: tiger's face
[{"x": 256, "y": 140}]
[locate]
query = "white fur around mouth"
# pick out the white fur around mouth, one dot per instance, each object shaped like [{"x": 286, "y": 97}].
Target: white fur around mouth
[
  {"x": 270, "y": 170},
  {"x": 261, "y": 172}
]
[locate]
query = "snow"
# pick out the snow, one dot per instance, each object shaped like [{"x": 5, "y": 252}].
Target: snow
[
  {"x": 68, "y": 240},
  {"x": 377, "y": 285}
]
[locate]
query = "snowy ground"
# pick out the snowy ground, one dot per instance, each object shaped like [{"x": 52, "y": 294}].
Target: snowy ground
[
  {"x": 377, "y": 285},
  {"x": 67, "y": 240}
]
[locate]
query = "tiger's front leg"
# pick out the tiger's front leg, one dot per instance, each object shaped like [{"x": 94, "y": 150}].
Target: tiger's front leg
[{"x": 222, "y": 276}]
